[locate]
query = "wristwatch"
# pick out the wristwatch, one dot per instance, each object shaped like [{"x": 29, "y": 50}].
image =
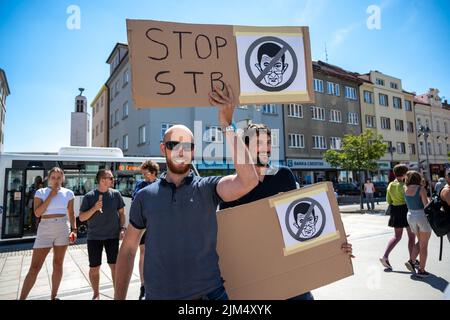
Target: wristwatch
[
  {"x": 231, "y": 127},
  {"x": 73, "y": 230}
]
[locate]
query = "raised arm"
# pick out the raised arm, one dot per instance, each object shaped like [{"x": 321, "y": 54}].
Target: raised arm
[{"x": 235, "y": 186}]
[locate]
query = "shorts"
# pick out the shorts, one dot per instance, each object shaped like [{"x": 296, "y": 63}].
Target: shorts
[
  {"x": 52, "y": 232},
  {"x": 143, "y": 238},
  {"x": 398, "y": 216},
  {"x": 95, "y": 250},
  {"x": 418, "y": 221}
]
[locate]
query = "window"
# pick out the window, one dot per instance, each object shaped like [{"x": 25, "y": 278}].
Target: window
[
  {"x": 116, "y": 117},
  {"x": 116, "y": 143},
  {"x": 411, "y": 148},
  {"x": 410, "y": 126},
  {"x": 350, "y": 93},
  {"x": 96, "y": 130},
  {"x": 213, "y": 134},
  {"x": 422, "y": 150},
  {"x": 379, "y": 81},
  {"x": 370, "y": 121},
  {"x": 385, "y": 123},
  {"x": 408, "y": 105},
  {"x": 445, "y": 127},
  {"x": 333, "y": 89},
  {"x": 353, "y": 118},
  {"x": 368, "y": 97},
  {"x": 319, "y": 142},
  {"x": 335, "y": 116},
  {"x": 296, "y": 140},
  {"x": 111, "y": 121},
  {"x": 401, "y": 147},
  {"x": 397, "y": 102},
  {"x": 399, "y": 125},
  {"x": 295, "y": 110},
  {"x": 142, "y": 134},
  {"x": 318, "y": 85},
  {"x": 438, "y": 128},
  {"x": 125, "y": 142},
  {"x": 318, "y": 113},
  {"x": 394, "y": 85},
  {"x": 126, "y": 77},
  {"x": 164, "y": 128},
  {"x": 125, "y": 110},
  {"x": 440, "y": 148},
  {"x": 448, "y": 147},
  {"x": 275, "y": 141},
  {"x": 429, "y": 148},
  {"x": 335, "y": 143},
  {"x": 270, "y": 108},
  {"x": 383, "y": 99},
  {"x": 116, "y": 88},
  {"x": 101, "y": 126}
]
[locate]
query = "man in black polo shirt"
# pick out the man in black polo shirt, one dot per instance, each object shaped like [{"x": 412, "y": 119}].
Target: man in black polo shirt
[
  {"x": 271, "y": 180},
  {"x": 178, "y": 212}
]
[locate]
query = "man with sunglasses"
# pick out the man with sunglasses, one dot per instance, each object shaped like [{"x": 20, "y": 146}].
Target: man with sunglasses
[
  {"x": 178, "y": 212},
  {"x": 103, "y": 209}
]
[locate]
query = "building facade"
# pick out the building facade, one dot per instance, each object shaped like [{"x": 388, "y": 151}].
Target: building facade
[
  {"x": 311, "y": 129},
  {"x": 431, "y": 112},
  {"x": 139, "y": 131},
  {"x": 100, "y": 106},
  {"x": 389, "y": 111},
  {"x": 4, "y": 92}
]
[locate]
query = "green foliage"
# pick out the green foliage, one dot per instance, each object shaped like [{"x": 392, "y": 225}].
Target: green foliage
[{"x": 357, "y": 152}]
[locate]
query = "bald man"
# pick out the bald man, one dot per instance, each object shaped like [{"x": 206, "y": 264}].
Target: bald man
[{"x": 178, "y": 211}]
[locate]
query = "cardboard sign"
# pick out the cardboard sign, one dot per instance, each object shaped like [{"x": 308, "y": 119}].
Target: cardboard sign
[
  {"x": 177, "y": 65},
  {"x": 282, "y": 246}
]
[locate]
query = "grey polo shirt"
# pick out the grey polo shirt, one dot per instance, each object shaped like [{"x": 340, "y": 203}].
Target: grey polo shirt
[{"x": 181, "y": 261}]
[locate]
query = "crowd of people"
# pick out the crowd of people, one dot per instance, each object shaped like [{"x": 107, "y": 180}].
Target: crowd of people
[{"x": 178, "y": 202}]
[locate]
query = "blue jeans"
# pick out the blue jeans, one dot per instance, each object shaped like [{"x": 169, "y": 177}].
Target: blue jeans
[
  {"x": 305, "y": 296},
  {"x": 370, "y": 201},
  {"x": 216, "y": 294}
]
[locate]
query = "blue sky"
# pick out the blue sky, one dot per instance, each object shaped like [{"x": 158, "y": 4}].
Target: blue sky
[{"x": 45, "y": 62}]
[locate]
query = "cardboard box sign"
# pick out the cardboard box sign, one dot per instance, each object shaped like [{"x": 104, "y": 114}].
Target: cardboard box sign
[
  {"x": 177, "y": 64},
  {"x": 282, "y": 246}
]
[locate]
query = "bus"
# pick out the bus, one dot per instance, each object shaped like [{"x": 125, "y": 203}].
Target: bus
[{"x": 23, "y": 172}]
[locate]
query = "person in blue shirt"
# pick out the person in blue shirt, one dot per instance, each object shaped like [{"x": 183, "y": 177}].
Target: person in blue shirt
[
  {"x": 178, "y": 211},
  {"x": 149, "y": 171}
]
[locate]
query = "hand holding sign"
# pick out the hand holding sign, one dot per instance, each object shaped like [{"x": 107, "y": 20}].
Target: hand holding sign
[{"x": 225, "y": 102}]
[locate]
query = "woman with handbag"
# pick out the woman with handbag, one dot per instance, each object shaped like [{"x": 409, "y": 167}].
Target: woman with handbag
[{"x": 395, "y": 197}]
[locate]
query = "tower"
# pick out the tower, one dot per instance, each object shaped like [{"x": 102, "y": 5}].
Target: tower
[{"x": 79, "y": 125}]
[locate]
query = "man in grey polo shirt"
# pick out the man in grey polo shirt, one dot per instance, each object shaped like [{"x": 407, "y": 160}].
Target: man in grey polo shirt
[{"x": 179, "y": 213}]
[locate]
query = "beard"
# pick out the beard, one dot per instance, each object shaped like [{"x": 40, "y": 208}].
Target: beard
[{"x": 177, "y": 169}]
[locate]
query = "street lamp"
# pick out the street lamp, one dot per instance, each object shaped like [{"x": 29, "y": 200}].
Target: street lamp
[{"x": 425, "y": 131}]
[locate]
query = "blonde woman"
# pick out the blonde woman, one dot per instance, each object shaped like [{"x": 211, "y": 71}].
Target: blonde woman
[{"x": 54, "y": 205}]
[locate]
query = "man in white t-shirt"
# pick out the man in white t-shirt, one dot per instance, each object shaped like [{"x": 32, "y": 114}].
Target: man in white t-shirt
[{"x": 369, "y": 190}]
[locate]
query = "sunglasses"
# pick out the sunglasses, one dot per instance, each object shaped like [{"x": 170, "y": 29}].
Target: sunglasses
[
  {"x": 110, "y": 178},
  {"x": 176, "y": 145}
]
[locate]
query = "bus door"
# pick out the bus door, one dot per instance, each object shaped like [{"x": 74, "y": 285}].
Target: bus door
[
  {"x": 13, "y": 204},
  {"x": 33, "y": 182}
]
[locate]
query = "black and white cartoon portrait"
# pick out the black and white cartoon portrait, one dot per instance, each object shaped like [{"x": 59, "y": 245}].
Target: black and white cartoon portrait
[
  {"x": 308, "y": 223},
  {"x": 266, "y": 52}
]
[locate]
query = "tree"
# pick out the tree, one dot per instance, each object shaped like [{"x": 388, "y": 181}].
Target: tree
[{"x": 358, "y": 153}]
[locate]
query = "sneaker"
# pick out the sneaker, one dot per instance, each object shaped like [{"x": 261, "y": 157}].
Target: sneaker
[
  {"x": 410, "y": 266},
  {"x": 96, "y": 298},
  {"x": 142, "y": 294},
  {"x": 422, "y": 274},
  {"x": 417, "y": 264},
  {"x": 385, "y": 263}
]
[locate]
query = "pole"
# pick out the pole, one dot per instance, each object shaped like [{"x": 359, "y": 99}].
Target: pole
[{"x": 426, "y": 131}]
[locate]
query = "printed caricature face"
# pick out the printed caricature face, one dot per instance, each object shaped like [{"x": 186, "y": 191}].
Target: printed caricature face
[
  {"x": 275, "y": 76},
  {"x": 310, "y": 226}
]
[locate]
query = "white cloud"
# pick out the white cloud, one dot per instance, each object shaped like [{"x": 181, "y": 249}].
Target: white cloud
[{"x": 341, "y": 34}]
